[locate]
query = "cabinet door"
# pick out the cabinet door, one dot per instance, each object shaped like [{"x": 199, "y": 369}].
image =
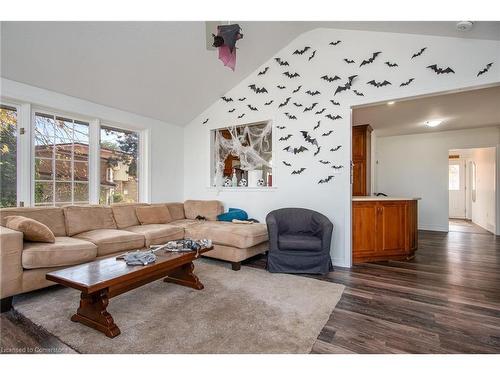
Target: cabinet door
[
  {"x": 392, "y": 225},
  {"x": 364, "y": 229},
  {"x": 358, "y": 143},
  {"x": 358, "y": 178}
]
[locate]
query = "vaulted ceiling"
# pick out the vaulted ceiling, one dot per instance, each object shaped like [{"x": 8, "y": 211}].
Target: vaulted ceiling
[{"x": 162, "y": 70}]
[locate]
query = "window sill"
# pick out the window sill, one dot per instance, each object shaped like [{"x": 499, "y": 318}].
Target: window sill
[{"x": 244, "y": 189}]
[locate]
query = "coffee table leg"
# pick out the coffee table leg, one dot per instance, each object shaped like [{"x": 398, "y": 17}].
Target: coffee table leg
[
  {"x": 92, "y": 312},
  {"x": 184, "y": 276}
]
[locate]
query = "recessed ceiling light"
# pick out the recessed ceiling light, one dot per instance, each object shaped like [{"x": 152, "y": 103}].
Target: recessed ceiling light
[
  {"x": 433, "y": 123},
  {"x": 391, "y": 102},
  {"x": 464, "y": 25}
]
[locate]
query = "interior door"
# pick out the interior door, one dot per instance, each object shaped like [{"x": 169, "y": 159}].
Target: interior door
[{"x": 457, "y": 189}]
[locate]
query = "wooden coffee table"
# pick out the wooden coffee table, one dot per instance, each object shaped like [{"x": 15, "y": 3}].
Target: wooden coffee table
[{"x": 103, "y": 279}]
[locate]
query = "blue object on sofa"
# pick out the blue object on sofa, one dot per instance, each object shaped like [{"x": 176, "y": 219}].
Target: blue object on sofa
[
  {"x": 299, "y": 241},
  {"x": 233, "y": 213}
]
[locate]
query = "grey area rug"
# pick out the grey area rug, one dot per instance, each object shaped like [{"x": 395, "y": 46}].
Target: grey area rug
[{"x": 249, "y": 311}]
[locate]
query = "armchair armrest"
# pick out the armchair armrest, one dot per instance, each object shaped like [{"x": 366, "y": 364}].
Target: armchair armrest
[
  {"x": 11, "y": 269},
  {"x": 273, "y": 231}
]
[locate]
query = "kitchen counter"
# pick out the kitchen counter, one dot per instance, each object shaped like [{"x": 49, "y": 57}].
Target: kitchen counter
[{"x": 381, "y": 198}]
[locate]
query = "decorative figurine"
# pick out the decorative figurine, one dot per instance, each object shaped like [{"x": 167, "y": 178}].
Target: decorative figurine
[
  {"x": 243, "y": 183},
  {"x": 260, "y": 182}
]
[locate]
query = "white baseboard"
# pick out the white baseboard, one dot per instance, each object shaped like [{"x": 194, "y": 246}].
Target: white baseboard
[
  {"x": 432, "y": 227},
  {"x": 339, "y": 262}
]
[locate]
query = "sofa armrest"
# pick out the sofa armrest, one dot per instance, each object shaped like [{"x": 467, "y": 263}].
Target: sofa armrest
[{"x": 11, "y": 269}]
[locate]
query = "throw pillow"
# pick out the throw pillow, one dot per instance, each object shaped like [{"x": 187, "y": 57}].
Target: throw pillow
[
  {"x": 32, "y": 230},
  {"x": 234, "y": 213},
  {"x": 153, "y": 215}
]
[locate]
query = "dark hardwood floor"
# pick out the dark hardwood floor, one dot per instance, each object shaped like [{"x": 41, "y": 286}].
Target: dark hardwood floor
[{"x": 445, "y": 300}]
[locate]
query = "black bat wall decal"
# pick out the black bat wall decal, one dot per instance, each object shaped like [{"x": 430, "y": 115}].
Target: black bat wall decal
[
  {"x": 358, "y": 93},
  {"x": 327, "y": 133},
  {"x": 281, "y": 62},
  {"x": 295, "y": 150},
  {"x": 309, "y": 139},
  {"x": 312, "y": 55},
  {"x": 334, "y": 43},
  {"x": 285, "y": 138},
  {"x": 337, "y": 166},
  {"x": 281, "y": 87},
  {"x": 258, "y": 90},
  {"x": 297, "y": 104},
  {"x": 371, "y": 59},
  {"x": 301, "y": 51},
  {"x": 317, "y": 151},
  {"x": 299, "y": 171},
  {"x": 320, "y": 112},
  {"x": 438, "y": 70},
  {"x": 287, "y": 164},
  {"x": 485, "y": 69},
  {"x": 204, "y": 122},
  {"x": 346, "y": 86},
  {"x": 334, "y": 102},
  {"x": 336, "y": 148},
  {"x": 325, "y": 180},
  {"x": 241, "y": 116},
  {"x": 317, "y": 126},
  {"x": 378, "y": 84},
  {"x": 416, "y": 54},
  {"x": 232, "y": 110},
  {"x": 313, "y": 93},
  {"x": 285, "y": 102},
  {"x": 324, "y": 161},
  {"x": 311, "y": 107},
  {"x": 407, "y": 82},
  {"x": 264, "y": 71},
  {"x": 391, "y": 65},
  {"x": 269, "y": 102},
  {"x": 333, "y": 117},
  {"x": 291, "y": 75},
  {"x": 252, "y": 108},
  {"x": 281, "y": 127},
  {"x": 291, "y": 117},
  {"x": 349, "y": 61},
  {"x": 297, "y": 89},
  {"x": 226, "y": 99},
  {"x": 330, "y": 79},
  {"x": 242, "y": 99}
]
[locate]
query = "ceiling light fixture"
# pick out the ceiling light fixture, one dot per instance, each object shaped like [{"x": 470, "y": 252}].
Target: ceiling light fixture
[
  {"x": 464, "y": 25},
  {"x": 391, "y": 102},
  {"x": 433, "y": 123}
]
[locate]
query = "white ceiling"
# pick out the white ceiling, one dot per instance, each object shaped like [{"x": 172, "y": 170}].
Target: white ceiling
[
  {"x": 160, "y": 69},
  {"x": 462, "y": 110}
]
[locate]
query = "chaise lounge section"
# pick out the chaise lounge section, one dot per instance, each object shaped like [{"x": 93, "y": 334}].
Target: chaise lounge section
[{"x": 86, "y": 233}]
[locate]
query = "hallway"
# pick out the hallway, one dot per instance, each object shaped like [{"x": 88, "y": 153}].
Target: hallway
[{"x": 466, "y": 226}]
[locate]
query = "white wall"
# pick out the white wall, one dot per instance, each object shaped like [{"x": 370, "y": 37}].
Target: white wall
[
  {"x": 417, "y": 165},
  {"x": 332, "y": 199},
  {"x": 483, "y": 209},
  {"x": 164, "y": 148}
]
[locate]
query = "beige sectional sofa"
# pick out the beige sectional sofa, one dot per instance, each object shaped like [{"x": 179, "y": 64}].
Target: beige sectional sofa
[{"x": 86, "y": 233}]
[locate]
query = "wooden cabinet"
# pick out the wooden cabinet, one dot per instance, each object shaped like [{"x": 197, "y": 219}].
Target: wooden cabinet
[
  {"x": 384, "y": 230},
  {"x": 361, "y": 160}
]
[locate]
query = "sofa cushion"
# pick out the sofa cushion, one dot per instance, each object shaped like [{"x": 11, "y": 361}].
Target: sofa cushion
[
  {"x": 184, "y": 223},
  {"x": 156, "y": 214},
  {"x": 176, "y": 210},
  {"x": 87, "y": 218},
  {"x": 32, "y": 230},
  {"x": 207, "y": 209},
  {"x": 124, "y": 214},
  {"x": 299, "y": 242},
  {"x": 110, "y": 241},
  {"x": 52, "y": 217},
  {"x": 65, "y": 251},
  {"x": 230, "y": 234},
  {"x": 157, "y": 234}
]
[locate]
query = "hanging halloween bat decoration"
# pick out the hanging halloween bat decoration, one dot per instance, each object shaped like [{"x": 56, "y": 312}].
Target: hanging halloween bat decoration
[
  {"x": 287, "y": 164},
  {"x": 337, "y": 167},
  {"x": 252, "y": 108},
  {"x": 225, "y": 41},
  {"x": 346, "y": 86},
  {"x": 349, "y": 61},
  {"x": 295, "y": 150},
  {"x": 297, "y": 90},
  {"x": 371, "y": 59},
  {"x": 330, "y": 79},
  {"x": 324, "y": 161},
  {"x": 241, "y": 116},
  {"x": 317, "y": 126},
  {"x": 311, "y": 107},
  {"x": 281, "y": 62},
  {"x": 407, "y": 82},
  {"x": 285, "y": 102},
  {"x": 334, "y": 102},
  {"x": 334, "y": 43},
  {"x": 285, "y": 138},
  {"x": 358, "y": 93},
  {"x": 333, "y": 117},
  {"x": 313, "y": 93},
  {"x": 258, "y": 90},
  {"x": 204, "y": 122},
  {"x": 320, "y": 112},
  {"x": 317, "y": 151},
  {"x": 327, "y": 133},
  {"x": 264, "y": 71},
  {"x": 438, "y": 70},
  {"x": 242, "y": 99},
  {"x": 281, "y": 127},
  {"x": 291, "y": 75},
  {"x": 485, "y": 69},
  {"x": 309, "y": 139},
  {"x": 269, "y": 102},
  {"x": 226, "y": 99},
  {"x": 336, "y": 148},
  {"x": 291, "y": 117},
  {"x": 378, "y": 84},
  {"x": 391, "y": 65},
  {"x": 232, "y": 110},
  {"x": 281, "y": 87},
  {"x": 298, "y": 171},
  {"x": 312, "y": 55},
  {"x": 325, "y": 180},
  {"x": 416, "y": 54},
  {"x": 301, "y": 51},
  {"x": 297, "y": 104}
]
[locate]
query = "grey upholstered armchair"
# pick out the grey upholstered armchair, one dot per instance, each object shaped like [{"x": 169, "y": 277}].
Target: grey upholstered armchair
[{"x": 299, "y": 241}]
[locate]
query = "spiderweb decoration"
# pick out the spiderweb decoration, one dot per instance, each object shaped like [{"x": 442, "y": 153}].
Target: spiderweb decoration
[{"x": 252, "y": 144}]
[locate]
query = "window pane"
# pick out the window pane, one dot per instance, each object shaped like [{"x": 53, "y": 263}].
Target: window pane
[
  {"x": 44, "y": 193},
  {"x": 81, "y": 132},
  {"x": 8, "y": 156},
  {"x": 64, "y": 149},
  {"x": 63, "y": 192},
  {"x": 454, "y": 177},
  {"x": 44, "y": 126},
  {"x": 81, "y": 151},
  {"x": 81, "y": 171},
  {"x": 63, "y": 170},
  {"x": 43, "y": 169},
  {"x": 81, "y": 192},
  {"x": 63, "y": 128}
]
